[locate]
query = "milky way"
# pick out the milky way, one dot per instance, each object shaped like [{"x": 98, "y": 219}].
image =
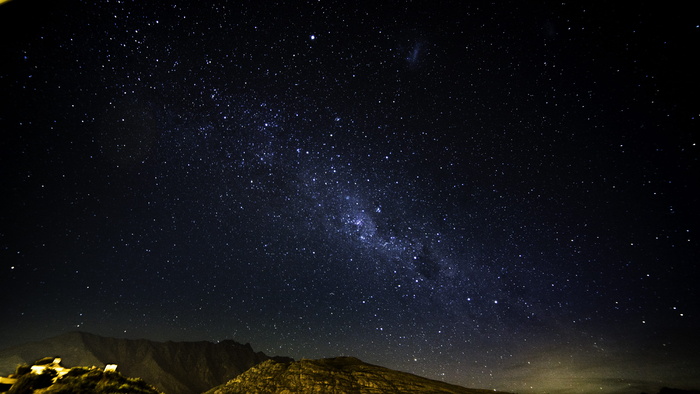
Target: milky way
[{"x": 499, "y": 196}]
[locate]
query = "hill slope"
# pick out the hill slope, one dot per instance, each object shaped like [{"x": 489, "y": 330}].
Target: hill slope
[
  {"x": 79, "y": 380},
  {"x": 172, "y": 367},
  {"x": 333, "y": 375}
]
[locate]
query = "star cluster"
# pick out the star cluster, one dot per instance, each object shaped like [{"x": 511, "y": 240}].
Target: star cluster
[{"x": 499, "y": 196}]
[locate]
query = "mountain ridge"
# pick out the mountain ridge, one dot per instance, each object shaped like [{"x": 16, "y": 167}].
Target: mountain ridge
[
  {"x": 172, "y": 367},
  {"x": 339, "y": 375}
]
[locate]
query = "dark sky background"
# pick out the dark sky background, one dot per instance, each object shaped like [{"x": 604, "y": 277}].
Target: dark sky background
[{"x": 499, "y": 196}]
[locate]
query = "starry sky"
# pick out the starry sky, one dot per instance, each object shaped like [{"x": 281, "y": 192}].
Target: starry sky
[{"x": 495, "y": 195}]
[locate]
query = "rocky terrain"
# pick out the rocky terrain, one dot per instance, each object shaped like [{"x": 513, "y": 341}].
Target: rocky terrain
[
  {"x": 333, "y": 375},
  {"x": 172, "y": 367},
  {"x": 75, "y": 380}
]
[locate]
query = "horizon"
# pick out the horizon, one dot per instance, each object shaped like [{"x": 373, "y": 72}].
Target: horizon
[{"x": 572, "y": 382}]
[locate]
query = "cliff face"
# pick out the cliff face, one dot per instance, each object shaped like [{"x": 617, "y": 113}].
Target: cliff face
[
  {"x": 172, "y": 367},
  {"x": 331, "y": 376}
]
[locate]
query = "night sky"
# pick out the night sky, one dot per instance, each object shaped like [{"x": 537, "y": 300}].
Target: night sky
[{"x": 494, "y": 195}]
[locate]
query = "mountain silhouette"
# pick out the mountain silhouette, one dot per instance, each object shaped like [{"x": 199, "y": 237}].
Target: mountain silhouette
[{"x": 172, "y": 367}]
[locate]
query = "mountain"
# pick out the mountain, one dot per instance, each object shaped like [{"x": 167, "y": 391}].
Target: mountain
[
  {"x": 331, "y": 376},
  {"x": 172, "y": 367}
]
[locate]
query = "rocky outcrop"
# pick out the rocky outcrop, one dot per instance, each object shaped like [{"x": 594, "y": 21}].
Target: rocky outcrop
[
  {"x": 172, "y": 367},
  {"x": 331, "y": 376},
  {"x": 54, "y": 379}
]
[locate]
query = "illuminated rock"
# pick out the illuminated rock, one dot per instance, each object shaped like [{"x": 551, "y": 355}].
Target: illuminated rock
[{"x": 331, "y": 376}]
